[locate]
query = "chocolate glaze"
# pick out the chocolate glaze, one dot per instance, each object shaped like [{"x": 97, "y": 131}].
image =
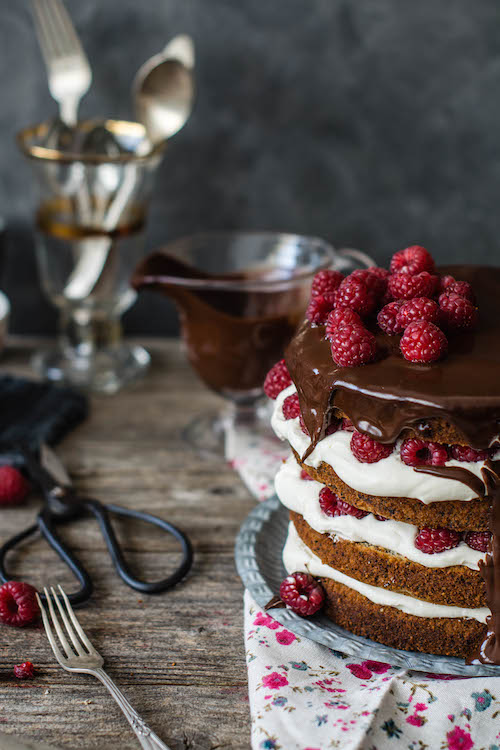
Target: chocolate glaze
[
  {"x": 459, "y": 473},
  {"x": 233, "y": 335},
  {"x": 390, "y": 395},
  {"x": 489, "y": 651}
]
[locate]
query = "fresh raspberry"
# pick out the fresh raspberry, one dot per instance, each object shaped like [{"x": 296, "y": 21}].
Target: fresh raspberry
[
  {"x": 457, "y": 311},
  {"x": 388, "y": 317},
  {"x": 347, "y": 425},
  {"x": 380, "y": 518},
  {"x": 432, "y": 541},
  {"x": 304, "y": 475},
  {"x": 18, "y": 604},
  {"x": 406, "y": 286},
  {"x": 332, "y": 427},
  {"x": 319, "y": 307},
  {"x": 277, "y": 379},
  {"x": 478, "y": 540},
  {"x": 416, "y": 452},
  {"x": 374, "y": 282},
  {"x": 325, "y": 282},
  {"x": 328, "y": 502},
  {"x": 423, "y": 341},
  {"x": 352, "y": 345},
  {"x": 419, "y": 308},
  {"x": 24, "y": 671},
  {"x": 354, "y": 293},
  {"x": 344, "y": 509},
  {"x": 413, "y": 260},
  {"x": 13, "y": 486},
  {"x": 463, "y": 288},
  {"x": 367, "y": 450},
  {"x": 291, "y": 407},
  {"x": 303, "y": 425},
  {"x": 386, "y": 298},
  {"x": 464, "y": 453},
  {"x": 302, "y": 593},
  {"x": 380, "y": 273},
  {"x": 339, "y": 317}
]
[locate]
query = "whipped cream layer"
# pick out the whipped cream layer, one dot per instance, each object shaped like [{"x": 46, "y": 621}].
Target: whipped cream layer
[
  {"x": 302, "y": 496},
  {"x": 389, "y": 477},
  {"x": 298, "y": 557}
]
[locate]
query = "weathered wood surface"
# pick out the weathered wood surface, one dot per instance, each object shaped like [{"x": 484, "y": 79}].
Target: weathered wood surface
[{"x": 179, "y": 656}]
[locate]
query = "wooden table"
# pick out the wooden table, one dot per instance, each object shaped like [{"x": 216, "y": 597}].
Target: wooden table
[{"x": 179, "y": 656}]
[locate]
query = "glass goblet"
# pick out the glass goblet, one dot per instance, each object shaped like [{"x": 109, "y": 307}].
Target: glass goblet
[{"x": 94, "y": 183}]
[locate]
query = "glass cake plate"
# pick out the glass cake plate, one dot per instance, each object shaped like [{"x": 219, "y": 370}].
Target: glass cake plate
[{"x": 258, "y": 559}]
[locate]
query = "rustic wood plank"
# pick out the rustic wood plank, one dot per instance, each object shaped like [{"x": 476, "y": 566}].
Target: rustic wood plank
[{"x": 178, "y": 656}]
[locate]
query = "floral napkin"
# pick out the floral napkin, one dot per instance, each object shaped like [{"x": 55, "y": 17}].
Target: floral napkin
[{"x": 305, "y": 696}]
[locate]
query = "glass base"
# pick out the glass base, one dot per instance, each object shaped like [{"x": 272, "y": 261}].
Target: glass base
[
  {"x": 223, "y": 434},
  {"x": 105, "y": 372}
]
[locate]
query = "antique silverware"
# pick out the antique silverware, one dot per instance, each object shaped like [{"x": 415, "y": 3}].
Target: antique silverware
[{"x": 82, "y": 657}]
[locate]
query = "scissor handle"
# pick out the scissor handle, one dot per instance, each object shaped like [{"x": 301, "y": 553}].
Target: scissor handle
[
  {"x": 45, "y": 525},
  {"x": 101, "y": 512}
]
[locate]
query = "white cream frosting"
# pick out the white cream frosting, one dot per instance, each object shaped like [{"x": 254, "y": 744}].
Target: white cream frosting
[
  {"x": 298, "y": 557},
  {"x": 302, "y": 496},
  {"x": 389, "y": 477}
]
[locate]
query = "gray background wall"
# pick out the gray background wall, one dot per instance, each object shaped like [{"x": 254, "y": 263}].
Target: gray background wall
[{"x": 373, "y": 123}]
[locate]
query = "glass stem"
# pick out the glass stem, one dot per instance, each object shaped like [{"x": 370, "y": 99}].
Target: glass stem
[{"x": 83, "y": 333}]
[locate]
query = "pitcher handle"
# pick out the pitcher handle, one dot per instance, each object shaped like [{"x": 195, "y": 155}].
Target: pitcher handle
[{"x": 358, "y": 255}]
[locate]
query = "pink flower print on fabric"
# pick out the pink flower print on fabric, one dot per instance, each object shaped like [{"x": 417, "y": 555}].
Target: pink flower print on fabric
[
  {"x": 415, "y": 720},
  {"x": 459, "y": 740},
  {"x": 266, "y": 621},
  {"x": 285, "y": 637},
  {"x": 379, "y": 667},
  {"x": 274, "y": 681},
  {"x": 365, "y": 670}
]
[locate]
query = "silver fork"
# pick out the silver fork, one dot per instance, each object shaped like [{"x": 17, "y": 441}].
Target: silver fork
[
  {"x": 67, "y": 66},
  {"x": 83, "y": 657}
]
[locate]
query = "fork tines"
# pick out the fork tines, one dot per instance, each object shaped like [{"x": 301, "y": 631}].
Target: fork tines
[{"x": 82, "y": 647}]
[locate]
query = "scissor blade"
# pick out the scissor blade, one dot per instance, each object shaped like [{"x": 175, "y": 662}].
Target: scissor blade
[{"x": 53, "y": 465}]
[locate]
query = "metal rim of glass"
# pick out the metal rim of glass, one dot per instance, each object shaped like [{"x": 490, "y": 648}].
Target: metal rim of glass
[{"x": 27, "y": 136}]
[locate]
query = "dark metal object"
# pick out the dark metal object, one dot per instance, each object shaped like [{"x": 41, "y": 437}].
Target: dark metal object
[{"x": 63, "y": 505}]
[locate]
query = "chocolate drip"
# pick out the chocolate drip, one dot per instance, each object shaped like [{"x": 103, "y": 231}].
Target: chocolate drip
[
  {"x": 388, "y": 396},
  {"x": 459, "y": 473},
  {"x": 489, "y": 650}
]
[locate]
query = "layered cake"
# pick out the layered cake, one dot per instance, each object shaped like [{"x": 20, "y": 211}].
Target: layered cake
[{"x": 389, "y": 396}]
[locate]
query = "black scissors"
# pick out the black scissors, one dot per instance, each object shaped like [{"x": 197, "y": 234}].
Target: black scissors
[{"x": 63, "y": 504}]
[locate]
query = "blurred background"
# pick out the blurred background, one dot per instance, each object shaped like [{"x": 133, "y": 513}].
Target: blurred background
[{"x": 373, "y": 124}]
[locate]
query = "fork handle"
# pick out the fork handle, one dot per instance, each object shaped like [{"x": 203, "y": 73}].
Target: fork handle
[{"x": 148, "y": 739}]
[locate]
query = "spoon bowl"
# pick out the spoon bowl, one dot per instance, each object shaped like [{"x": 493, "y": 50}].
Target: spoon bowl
[{"x": 163, "y": 89}]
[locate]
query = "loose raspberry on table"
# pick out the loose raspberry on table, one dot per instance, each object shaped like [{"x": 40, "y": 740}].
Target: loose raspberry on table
[
  {"x": 387, "y": 318},
  {"x": 423, "y": 342},
  {"x": 457, "y": 312},
  {"x": 354, "y": 293},
  {"x": 367, "y": 450},
  {"x": 432, "y": 541},
  {"x": 326, "y": 281},
  {"x": 352, "y": 345},
  {"x": 464, "y": 453},
  {"x": 406, "y": 286},
  {"x": 13, "y": 486},
  {"x": 347, "y": 425},
  {"x": 328, "y": 501},
  {"x": 18, "y": 604},
  {"x": 304, "y": 475},
  {"x": 419, "y": 308},
  {"x": 277, "y": 379},
  {"x": 415, "y": 452},
  {"x": 24, "y": 671},
  {"x": 319, "y": 307},
  {"x": 413, "y": 260},
  {"x": 374, "y": 282},
  {"x": 302, "y": 593},
  {"x": 291, "y": 407},
  {"x": 478, "y": 540},
  {"x": 339, "y": 317}
]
